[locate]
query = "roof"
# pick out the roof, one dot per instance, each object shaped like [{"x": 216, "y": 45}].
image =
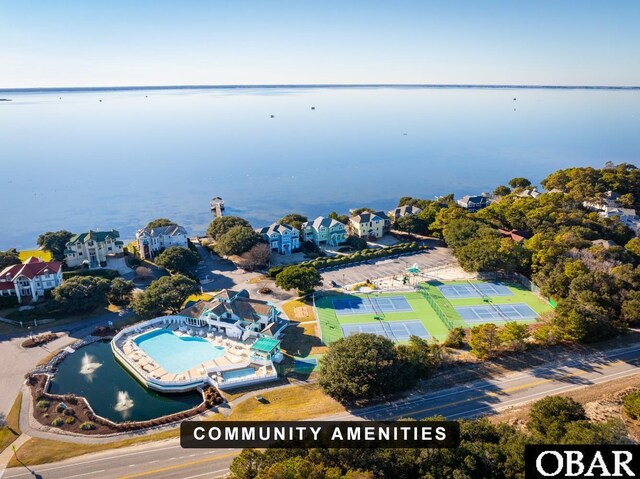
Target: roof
[
  {"x": 275, "y": 228},
  {"x": 238, "y": 303},
  {"x": 404, "y": 211},
  {"x": 98, "y": 236},
  {"x": 365, "y": 218},
  {"x": 516, "y": 235},
  {"x": 169, "y": 230},
  {"x": 606, "y": 244},
  {"x": 265, "y": 345},
  {"x": 31, "y": 268},
  {"x": 322, "y": 221},
  {"x": 382, "y": 215}
]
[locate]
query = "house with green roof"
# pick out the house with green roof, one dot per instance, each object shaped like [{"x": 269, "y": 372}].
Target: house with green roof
[{"x": 92, "y": 248}]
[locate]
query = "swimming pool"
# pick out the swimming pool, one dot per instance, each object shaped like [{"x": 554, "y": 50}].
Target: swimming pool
[
  {"x": 177, "y": 354},
  {"x": 238, "y": 373}
]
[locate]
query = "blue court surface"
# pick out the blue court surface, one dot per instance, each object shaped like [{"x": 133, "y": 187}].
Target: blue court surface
[
  {"x": 394, "y": 330},
  {"x": 371, "y": 305},
  {"x": 498, "y": 312},
  {"x": 474, "y": 290}
]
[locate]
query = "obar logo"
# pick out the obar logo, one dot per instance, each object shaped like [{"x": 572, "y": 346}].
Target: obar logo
[{"x": 561, "y": 462}]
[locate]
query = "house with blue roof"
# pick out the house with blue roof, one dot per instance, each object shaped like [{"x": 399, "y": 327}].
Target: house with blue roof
[{"x": 281, "y": 238}]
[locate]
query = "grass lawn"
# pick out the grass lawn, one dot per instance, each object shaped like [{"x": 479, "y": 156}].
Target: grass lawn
[
  {"x": 36, "y": 253},
  {"x": 41, "y": 451},
  {"x": 520, "y": 295},
  {"x": 330, "y": 323},
  {"x": 287, "y": 404},
  {"x": 11, "y": 431}
]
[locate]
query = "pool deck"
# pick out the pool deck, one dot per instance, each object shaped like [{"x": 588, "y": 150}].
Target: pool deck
[{"x": 237, "y": 355}]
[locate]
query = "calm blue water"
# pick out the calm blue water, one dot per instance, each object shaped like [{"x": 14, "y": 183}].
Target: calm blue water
[
  {"x": 177, "y": 354},
  {"x": 70, "y": 161},
  {"x": 239, "y": 373}
]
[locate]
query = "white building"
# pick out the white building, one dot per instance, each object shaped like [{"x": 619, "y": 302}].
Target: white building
[
  {"x": 92, "y": 248},
  {"x": 153, "y": 241},
  {"x": 28, "y": 281},
  {"x": 609, "y": 207}
]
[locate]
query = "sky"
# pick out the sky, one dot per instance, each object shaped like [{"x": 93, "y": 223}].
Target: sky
[{"x": 157, "y": 42}]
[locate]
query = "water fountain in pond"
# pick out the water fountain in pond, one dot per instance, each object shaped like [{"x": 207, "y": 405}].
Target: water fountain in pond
[
  {"x": 88, "y": 366},
  {"x": 124, "y": 403}
]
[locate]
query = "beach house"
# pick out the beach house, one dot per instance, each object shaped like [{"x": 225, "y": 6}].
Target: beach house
[
  {"x": 29, "y": 281},
  {"x": 91, "y": 249},
  {"x": 367, "y": 225},
  {"x": 324, "y": 231},
  {"x": 237, "y": 315},
  {"x": 403, "y": 211},
  {"x": 281, "y": 238},
  {"x": 153, "y": 241},
  {"x": 474, "y": 202}
]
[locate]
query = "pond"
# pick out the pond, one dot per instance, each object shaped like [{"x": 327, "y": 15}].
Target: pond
[{"x": 113, "y": 393}]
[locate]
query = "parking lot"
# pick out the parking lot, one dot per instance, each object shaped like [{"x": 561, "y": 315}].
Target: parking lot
[{"x": 388, "y": 267}]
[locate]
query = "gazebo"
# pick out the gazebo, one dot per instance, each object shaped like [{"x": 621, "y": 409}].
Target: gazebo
[{"x": 265, "y": 348}]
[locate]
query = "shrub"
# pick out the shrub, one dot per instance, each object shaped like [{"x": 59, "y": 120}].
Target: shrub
[
  {"x": 455, "y": 338},
  {"x": 275, "y": 271},
  {"x": 87, "y": 426},
  {"x": 631, "y": 404},
  {"x": 61, "y": 407},
  {"x": 8, "y": 302},
  {"x": 43, "y": 404},
  {"x": 57, "y": 422},
  {"x": 46, "y": 415},
  {"x": 69, "y": 412},
  {"x": 70, "y": 420}
]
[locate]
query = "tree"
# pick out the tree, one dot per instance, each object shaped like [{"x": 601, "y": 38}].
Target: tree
[
  {"x": 633, "y": 246},
  {"x": 177, "y": 259},
  {"x": 9, "y": 258},
  {"x": 356, "y": 242},
  {"x": 514, "y": 334},
  {"x": 519, "y": 182},
  {"x": 157, "y": 223},
  {"x": 55, "y": 242},
  {"x": 411, "y": 224},
  {"x": 120, "y": 292},
  {"x": 258, "y": 256},
  {"x": 359, "y": 211},
  {"x": 236, "y": 241},
  {"x": 484, "y": 340},
  {"x": 302, "y": 278},
  {"x": 344, "y": 219},
  {"x": 165, "y": 294},
  {"x": 293, "y": 219},
  {"x": 81, "y": 294},
  {"x": 550, "y": 416},
  {"x": 501, "y": 190},
  {"x": 223, "y": 224},
  {"x": 359, "y": 367}
]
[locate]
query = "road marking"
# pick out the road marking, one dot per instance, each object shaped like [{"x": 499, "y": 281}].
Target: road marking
[
  {"x": 75, "y": 464},
  {"x": 206, "y": 473},
  {"x": 85, "y": 474},
  {"x": 523, "y": 386},
  {"x": 180, "y": 466}
]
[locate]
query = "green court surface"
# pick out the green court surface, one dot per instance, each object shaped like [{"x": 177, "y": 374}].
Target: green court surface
[
  {"x": 330, "y": 323},
  {"x": 521, "y": 295},
  {"x": 436, "y": 313}
]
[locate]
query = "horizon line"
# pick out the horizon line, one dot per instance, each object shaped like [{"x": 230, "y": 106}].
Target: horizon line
[{"x": 318, "y": 85}]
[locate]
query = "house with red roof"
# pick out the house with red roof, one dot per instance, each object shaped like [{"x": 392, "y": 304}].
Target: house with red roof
[{"x": 28, "y": 281}]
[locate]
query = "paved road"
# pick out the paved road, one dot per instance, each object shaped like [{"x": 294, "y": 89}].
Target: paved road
[{"x": 168, "y": 460}]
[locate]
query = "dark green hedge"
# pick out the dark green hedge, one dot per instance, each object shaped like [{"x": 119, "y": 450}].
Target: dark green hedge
[{"x": 100, "y": 273}]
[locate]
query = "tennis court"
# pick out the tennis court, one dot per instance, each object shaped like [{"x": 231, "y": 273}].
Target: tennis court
[
  {"x": 371, "y": 305},
  {"x": 394, "y": 330},
  {"x": 497, "y": 312},
  {"x": 474, "y": 290}
]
